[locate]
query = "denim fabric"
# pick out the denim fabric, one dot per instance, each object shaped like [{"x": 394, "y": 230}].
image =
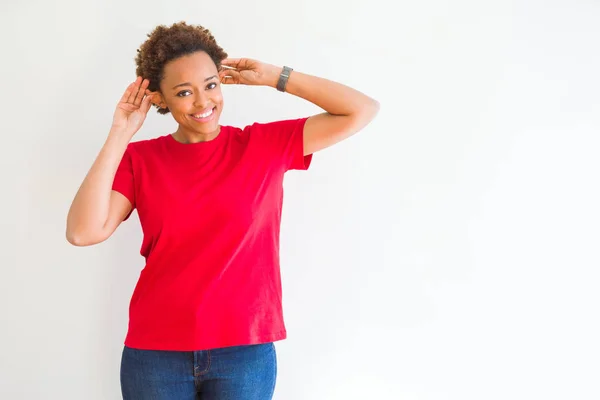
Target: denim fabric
[{"x": 231, "y": 373}]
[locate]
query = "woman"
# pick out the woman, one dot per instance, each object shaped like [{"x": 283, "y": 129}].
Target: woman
[{"x": 207, "y": 306}]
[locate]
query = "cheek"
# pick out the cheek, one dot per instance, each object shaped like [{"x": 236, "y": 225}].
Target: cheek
[
  {"x": 217, "y": 96},
  {"x": 181, "y": 105}
]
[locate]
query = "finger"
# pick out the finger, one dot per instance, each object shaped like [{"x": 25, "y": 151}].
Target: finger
[
  {"x": 223, "y": 75},
  {"x": 146, "y": 104},
  {"x": 134, "y": 90},
  {"x": 227, "y": 68},
  {"x": 231, "y": 62},
  {"x": 141, "y": 92},
  {"x": 239, "y": 63},
  {"x": 127, "y": 93},
  {"x": 230, "y": 77}
]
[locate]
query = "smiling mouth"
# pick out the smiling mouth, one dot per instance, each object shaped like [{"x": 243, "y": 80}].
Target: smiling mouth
[{"x": 204, "y": 116}]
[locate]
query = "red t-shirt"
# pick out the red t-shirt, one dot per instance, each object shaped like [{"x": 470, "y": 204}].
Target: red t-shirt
[{"x": 210, "y": 214}]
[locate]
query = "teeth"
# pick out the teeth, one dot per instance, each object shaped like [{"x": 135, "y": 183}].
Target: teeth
[{"x": 206, "y": 114}]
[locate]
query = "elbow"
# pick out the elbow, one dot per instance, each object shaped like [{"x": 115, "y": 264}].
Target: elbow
[
  {"x": 368, "y": 113},
  {"x": 368, "y": 110},
  {"x": 82, "y": 239},
  {"x": 76, "y": 239},
  {"x": 374, "y": 108}
]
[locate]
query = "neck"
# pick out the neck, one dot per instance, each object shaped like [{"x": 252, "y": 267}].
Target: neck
[{"x": 183, "y": 136}]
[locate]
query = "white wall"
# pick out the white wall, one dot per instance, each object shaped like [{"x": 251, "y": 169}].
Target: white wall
[{"x": 448, "y": 251}]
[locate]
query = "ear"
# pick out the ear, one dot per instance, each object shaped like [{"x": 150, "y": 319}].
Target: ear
[{"x": 158, "y": 100}]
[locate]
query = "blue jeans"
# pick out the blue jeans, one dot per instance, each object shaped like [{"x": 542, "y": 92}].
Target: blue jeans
[{"x": 230, "y": 373}]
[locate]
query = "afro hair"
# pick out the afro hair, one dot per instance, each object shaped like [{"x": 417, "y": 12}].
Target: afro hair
[{"x": 165, "y": 44}]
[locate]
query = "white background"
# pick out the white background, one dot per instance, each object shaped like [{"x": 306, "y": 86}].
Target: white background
[{"x": 448, "y": 251}]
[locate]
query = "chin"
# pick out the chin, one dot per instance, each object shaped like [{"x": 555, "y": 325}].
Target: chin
[{"x": 208, "y": 129}]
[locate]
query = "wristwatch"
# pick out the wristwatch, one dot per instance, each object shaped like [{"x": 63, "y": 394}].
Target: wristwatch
[{"x": 283, "y": 78}]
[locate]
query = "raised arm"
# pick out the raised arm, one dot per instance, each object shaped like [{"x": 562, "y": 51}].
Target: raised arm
[
  {"x": 347, "y": 110},
  {"x": 97, "y": 210}
]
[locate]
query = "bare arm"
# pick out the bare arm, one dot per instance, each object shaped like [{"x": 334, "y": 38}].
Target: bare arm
[
  {"x": 97, "y": 210},
  {"x": 347, "y": 110}
]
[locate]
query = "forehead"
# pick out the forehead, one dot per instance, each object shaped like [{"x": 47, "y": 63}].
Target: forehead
[{"x": 195, "y": 66}]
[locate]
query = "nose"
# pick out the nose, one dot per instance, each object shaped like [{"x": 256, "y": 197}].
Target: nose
[{"x": 201, "y": 100}]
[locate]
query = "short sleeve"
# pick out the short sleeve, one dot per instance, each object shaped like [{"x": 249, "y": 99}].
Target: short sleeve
[
  {"x": 124, "y": 181},
  {"x": 283, "y": 141}
]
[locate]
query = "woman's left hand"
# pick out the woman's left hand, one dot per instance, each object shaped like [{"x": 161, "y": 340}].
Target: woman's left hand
[{"x": 245, "y": 71}]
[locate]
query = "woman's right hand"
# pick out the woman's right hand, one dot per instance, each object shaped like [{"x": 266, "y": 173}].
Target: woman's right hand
[{"x": 133, "y": 107}]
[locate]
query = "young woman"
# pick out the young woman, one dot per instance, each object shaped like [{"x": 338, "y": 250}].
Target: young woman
[{"x": 207, "y": 306}]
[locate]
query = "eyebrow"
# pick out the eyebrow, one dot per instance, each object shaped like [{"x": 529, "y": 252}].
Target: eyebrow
[{"x": 189, "y": 84}]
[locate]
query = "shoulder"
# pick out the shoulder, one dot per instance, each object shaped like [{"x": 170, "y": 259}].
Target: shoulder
[
  {"x": 277, "y": 126},
  {"x": 282, "y": 128},
  {"x": 145, "y": 146}
]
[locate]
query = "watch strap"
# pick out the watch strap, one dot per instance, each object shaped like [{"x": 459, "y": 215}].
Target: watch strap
[{"x": 283, "y": 78}]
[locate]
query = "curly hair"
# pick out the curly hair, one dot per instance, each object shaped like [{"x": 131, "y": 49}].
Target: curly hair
[{"x": 165, "y": 44}]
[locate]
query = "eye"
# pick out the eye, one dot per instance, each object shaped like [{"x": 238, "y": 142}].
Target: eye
[
  {"x": 183, "y": 91},
  {"x": 211, "y": 85}
]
